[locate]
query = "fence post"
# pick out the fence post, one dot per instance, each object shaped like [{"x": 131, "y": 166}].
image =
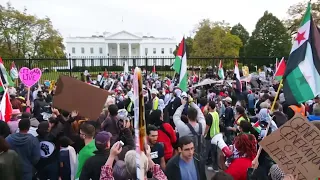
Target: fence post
[
  {"x": 29, "y": 61},
  {"x": 70, "y": 65},
  {"x": 146, "y": 66}
]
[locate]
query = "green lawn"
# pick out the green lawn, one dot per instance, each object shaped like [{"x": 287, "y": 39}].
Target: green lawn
[{"x": 55, "y": 75}]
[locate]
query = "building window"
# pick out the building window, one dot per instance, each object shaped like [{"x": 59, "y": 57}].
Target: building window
[
  {"x": 171, "y": 51},
  {"x": 146, "y": 50},
  {"x": 73, "y": 50},
  {"x": 91, "y": 50},
  {"x": 82, "y": 50},
  {"x": 154, "y": 51},
  {"x": 162, "y": 50},
  {"x": 100, "y": 50}
]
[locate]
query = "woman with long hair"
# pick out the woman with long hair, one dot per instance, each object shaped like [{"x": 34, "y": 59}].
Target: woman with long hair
[
  {"x": 166, "y": 133},
  {"x": 246, "y": 147},
  {"x": 10, "y": 165},
  {"x": 240, "y": 115}
]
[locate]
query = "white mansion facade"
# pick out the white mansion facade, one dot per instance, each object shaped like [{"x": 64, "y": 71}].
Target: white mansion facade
[{"x": 118, "y": 48}]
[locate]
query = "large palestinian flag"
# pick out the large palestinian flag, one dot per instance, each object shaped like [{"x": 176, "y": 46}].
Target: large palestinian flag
[
  {"x": 301, "y": 78},
  {"x": 180, "y": 66}
]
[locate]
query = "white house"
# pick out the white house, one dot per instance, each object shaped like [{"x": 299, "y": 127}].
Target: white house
[{"x": 119, "y": 48}]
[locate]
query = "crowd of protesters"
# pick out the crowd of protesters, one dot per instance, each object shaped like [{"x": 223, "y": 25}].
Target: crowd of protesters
[{"x": 41, "y": 142}]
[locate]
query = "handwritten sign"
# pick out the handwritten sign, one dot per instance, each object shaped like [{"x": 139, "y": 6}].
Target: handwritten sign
[
  {"x": 295, "y": 147},
  {"x": 29, "y": 77}
]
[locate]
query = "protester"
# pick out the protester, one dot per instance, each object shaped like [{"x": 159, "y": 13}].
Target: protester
[
  {"x": 184, "y": 166},
  {"x": 67, "y": 159},
  {"x": 131, "y": 165},
  {"x": 26, "y": 146},
  {"x": 157, "y": 148},
  {"x": 245, "y": 144},
  {"x": 212, "y": 129},
  {"x": 10, "y": 165},
  {"x": 87, "y": 132},
  {"x": 92, "y": 167}
]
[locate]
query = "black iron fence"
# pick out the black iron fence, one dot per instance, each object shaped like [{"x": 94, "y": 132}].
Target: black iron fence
[{"x": 74, "y": 66}]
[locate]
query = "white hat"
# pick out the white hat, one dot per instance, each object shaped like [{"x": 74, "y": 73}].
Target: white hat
[
  {"x": 228, "y": 99},
  {"x": 154, "y": 91}
]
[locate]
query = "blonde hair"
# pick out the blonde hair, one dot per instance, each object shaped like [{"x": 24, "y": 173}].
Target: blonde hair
[{"x": 131, "y": 164}]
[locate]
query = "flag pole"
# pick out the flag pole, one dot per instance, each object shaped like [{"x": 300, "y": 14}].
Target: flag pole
[{"x": 255, "y": 160}]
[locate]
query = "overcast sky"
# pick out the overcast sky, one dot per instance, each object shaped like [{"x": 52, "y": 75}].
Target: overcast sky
[{"x": 160, "y": 18}]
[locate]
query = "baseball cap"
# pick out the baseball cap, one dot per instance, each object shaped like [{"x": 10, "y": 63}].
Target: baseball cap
[{"x": 103, "y": 137}]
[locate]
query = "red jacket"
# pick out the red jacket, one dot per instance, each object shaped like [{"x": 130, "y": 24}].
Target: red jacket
[
  {"x": 167, "y": 141},
  {"x": 238, "y": 168}
]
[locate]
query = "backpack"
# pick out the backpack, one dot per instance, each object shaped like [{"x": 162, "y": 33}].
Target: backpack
[{"x": 199, "y": 141}]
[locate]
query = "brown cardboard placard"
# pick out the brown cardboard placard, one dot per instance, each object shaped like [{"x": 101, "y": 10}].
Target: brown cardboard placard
[
  {"x": 295, "y": 147},
  {"x": 72, "y": 94}
]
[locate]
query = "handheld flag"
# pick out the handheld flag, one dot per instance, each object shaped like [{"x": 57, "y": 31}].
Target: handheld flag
[
  {"x": 301, "y": 78},
  {"x": 6, "y": 79},
  {"x": 220, "y": 71},
  {"x": 5, "y": 106},
  {"x": 14, "y": 71},
  {"x": 237, "y": 77},
  {"x": 180, "y": 66},
  {"x": 280, "y": 70}
]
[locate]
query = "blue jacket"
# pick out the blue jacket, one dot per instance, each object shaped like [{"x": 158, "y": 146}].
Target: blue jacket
[
  {"x": 313, "y": 118},
  {"x": 28, "y": 149}
]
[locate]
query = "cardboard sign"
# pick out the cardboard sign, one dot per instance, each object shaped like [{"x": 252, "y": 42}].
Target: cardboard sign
[
  {"x": 295, "y": 147},
  {"x": 72, "y": 94},
  {"x": 29, "y": 77}
]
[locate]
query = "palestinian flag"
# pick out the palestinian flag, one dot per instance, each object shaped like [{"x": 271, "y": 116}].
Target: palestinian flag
[
  {"x": 5, "y": 106},
  {"x": 220, "y": 71},
  {"x": 301, "y": 78},
  {"x": 14, "y": 71},
  {"x": 280, "y": 70},
  {"x": 6, "y": 79},
  {"x": 257, "y": 127},
  {"x": 237, "y": 76},
  {"x": 180, "y": 66}
]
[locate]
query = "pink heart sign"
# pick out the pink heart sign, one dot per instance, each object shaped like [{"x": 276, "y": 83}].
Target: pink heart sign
[{"x": 29, "y": 77}]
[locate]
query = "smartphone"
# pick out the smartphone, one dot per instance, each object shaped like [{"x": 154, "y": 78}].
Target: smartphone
[{"x": 121, "y": 144}]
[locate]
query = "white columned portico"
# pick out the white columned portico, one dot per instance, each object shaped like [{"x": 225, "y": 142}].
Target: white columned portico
[
  {"x": 118, "y": 49},
  {"x": 129, "y": 47},
  {"x": 107, "y": 49},
  {"x": 140, "y": 50}
]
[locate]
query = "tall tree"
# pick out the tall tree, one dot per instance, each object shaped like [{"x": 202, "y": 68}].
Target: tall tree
[
  {"x": 296, "y": 13},
  {"x": 270, "y": 38},
  {"x": 22, "y": 34},
  {"x": 213, "y": 39},
  {"x": 243, "y": 34}
]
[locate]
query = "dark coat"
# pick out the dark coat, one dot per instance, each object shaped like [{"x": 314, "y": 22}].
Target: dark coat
[
  {"x": 173, "y": 170},
  {"x": 92, "y": 167}
]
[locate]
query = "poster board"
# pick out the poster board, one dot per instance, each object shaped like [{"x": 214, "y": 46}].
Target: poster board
[
  {"x": 295, "y": 147},
  {"x": 72, "y": 94}
]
